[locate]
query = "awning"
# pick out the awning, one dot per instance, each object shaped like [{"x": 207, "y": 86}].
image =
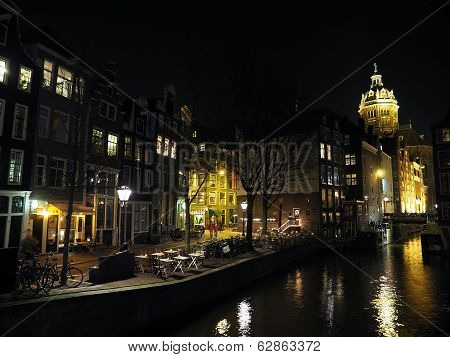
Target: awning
[
  {"x": 77, "y": 208},
  {"x": 214, "y": 212}
]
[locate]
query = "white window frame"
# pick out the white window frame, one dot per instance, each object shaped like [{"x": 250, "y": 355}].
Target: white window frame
[
  {"x": 147, "y": 180},
  {"x": 130, "y": 146},
  {"x": 166, "y": 146},
  {"x": 108, "y": 105},
  {"x": 65, "y": 80},
  {"x": 116, "y": 144},
  {"x": 5, "y": 80},
  {"x": 47, "y": 129},
  {"x": 36, "y": 166},
  {"x": 58, "y": 116},
  {"x": 44, "y": 71},
  {"x": 2, "y": 114},
  {"x": 21, "y": 166},
  {"x": 147, "y": 153},
  {"x": 64, "y": 172},
  {"x": 28, "y": 89},
  {"x": 159, "y": 140},
  {"x": 212, "y": 194},
  {"x": 24, "y": 130},
  {"x": 173, "y": 150}
]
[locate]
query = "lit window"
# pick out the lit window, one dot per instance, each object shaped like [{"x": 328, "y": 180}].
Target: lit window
[
  {"x": 138, "y": 151},
  {"x": 24, "y": 79},
  {"x": 128, "y": 147},
  {"x": 201, "y": 198},
  {"x": 3, "y": 71},
  {"x": 97, "y": 141},
  {"x": 222, "y": 198},
  {"x": 112, "y": 145},
  {"x": 15, "y": 167},
  {"x": 350, "y": 159},
  {"x": 212, "y": 180},
  {"x": 108, "y": 110},
  {"x": 56, "y": 173},
  {"x": 202, "y": 147},
  {"x": 44, "y": 121},
  {"x": 328, "y": 152},
  {"x": 194, "y": 134},
  {"x": 443, "y": 135},
  {"x": 159, "y": 145},
  {"x": 166, "y": 147},
  {"x": 330, "y": 175},
  {"x": 64, "y": 82},
  {"x": 212, "y": 198},
  {"x": 48, "y": 74},
  {"x": 60, "y": 127},
  {"x": 79, "y": 90},
  {"x": 173, "y": 153},
  {"x": 39, "y": 171},
  {"x": 322, "y": 150},
  {"x": 350, "y": 179},
  {"x": 20, "y": 121},
  {"x": 231, "y": 200}
]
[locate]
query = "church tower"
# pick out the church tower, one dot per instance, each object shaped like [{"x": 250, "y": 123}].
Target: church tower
[{"x": 379, "y": 107}]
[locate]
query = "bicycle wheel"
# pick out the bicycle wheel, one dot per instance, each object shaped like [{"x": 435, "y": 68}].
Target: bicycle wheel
[
  {"x": 74, "y": 277},
  {"x": 47, "y": 281},
  {"x": 20, "y": 286}
]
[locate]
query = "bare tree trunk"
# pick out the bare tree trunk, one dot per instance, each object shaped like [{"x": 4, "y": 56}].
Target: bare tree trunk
[
  {"x": 187, "y": 228},
  {"x": 67, "y": 232},
  {"x": 265, "y": 210},
  {"x": 249, "y": 233}
]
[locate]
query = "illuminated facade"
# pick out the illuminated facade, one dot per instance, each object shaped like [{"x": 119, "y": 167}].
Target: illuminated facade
[
  {"x": 216, "y": 197},
  {"x": 379, "y": 110},
  {"x": 379, "y": 107}
]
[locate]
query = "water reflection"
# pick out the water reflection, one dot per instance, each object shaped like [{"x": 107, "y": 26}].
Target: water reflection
[
  {"x": 328, "y": 297},
  {"x": 244, "y": 318},
  {"x": 222, "y": 328},
  {"x": 385, "y": 304}
]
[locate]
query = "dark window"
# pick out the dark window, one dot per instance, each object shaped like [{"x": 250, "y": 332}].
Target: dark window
[
  {"x": 444, "y": 159},
  {"x": 4, "y": 202}
]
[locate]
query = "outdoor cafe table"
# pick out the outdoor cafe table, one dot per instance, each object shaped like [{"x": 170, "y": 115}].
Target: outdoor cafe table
[
  {"x": 165, "y": 262},
  {"x": 179, "y": 265},
  {"x": 141, "y": 258},
  {"x": 171, "y": 252},
  {"x": 157, "y": 255},
  {"x": 194, "y": 258}
]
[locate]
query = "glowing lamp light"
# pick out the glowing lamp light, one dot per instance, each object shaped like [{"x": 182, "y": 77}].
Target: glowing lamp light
[
  {"x": 34, "y": 204},
  {"x": 380, "y": 173},
  {"x": 222, "y": 172},
  {"x": 124, "y": 193},
  {"x": 385, "y": 199},
  {"x": 244, "y": 205}
]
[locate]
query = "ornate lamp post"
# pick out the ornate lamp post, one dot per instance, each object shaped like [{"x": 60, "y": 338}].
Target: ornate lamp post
[
  {"x": 124, "y": 193},
  {"x": 244, "y": 206}
]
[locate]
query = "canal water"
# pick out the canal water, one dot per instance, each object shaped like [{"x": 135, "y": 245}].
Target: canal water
[{"x": 399, "y": 294}]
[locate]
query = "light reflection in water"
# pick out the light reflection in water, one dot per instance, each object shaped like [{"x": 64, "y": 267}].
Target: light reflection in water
[
  {"x": 328, "y": 297},
  {"x": 385, "y": 304},
  {"x": 222, "y": 328},
  {"x": 244, "y": 316}
]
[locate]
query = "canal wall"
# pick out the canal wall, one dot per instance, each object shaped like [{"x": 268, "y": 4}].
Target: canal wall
[{"x": 128, "y": 310}]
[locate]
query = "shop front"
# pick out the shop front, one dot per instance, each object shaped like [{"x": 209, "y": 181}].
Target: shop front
[{"x": 48, "y": 222}]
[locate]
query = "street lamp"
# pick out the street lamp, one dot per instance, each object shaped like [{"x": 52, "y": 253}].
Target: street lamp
[
  {"x": 124, "y": 193},
  {"x": 244, "y": 206}
]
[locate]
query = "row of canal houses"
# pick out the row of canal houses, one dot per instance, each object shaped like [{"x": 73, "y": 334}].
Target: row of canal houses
[{"x": 68, "y": 131}]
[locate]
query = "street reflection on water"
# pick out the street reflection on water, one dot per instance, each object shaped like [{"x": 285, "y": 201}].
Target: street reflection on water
[{"x": 327, "y": 296}]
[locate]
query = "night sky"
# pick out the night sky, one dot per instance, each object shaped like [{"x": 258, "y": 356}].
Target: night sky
[{"x": 320, "y": 46}]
